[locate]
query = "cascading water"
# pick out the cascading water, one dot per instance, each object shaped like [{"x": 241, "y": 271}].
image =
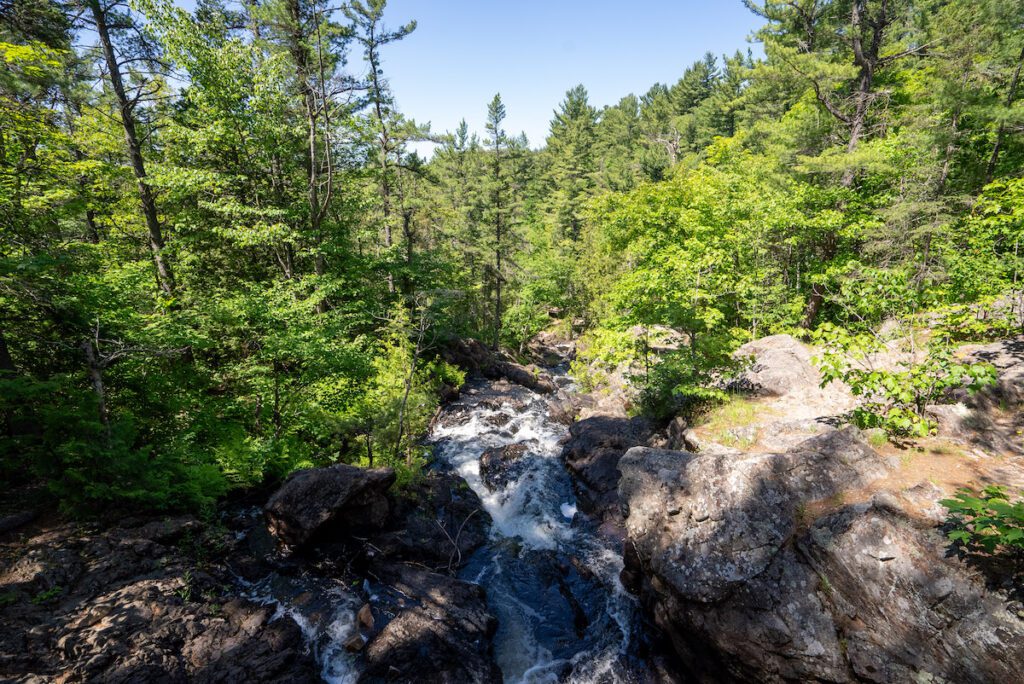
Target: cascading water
[{"x": 551, "y": 581}]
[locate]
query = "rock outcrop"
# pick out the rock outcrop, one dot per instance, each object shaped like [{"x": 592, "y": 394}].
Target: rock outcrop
[
  {"x": 126, "y": 605},
  {"x": 474, "y": 357},
  {"x": 592, "y": 457},
  {"x": 341, "y": 496},
  {"x": 729, "y": 560},
  {"x": 440, "y": 632}
]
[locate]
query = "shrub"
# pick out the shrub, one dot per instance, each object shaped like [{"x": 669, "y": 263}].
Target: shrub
[
  {"x": 895, "y": 399},
  {"x": 986, "y": 521}
]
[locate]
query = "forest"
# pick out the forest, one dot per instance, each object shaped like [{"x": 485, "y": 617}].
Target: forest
[{"x": 222, "y": 260}]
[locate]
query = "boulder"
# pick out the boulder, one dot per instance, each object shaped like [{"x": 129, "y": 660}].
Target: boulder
[
  {"x": 530, "y": 377},
  {"x": 561, "y": 408},
  {"x": 780, "y": 365},
  {"x": 727, "y": 563},
  {"x": 438, "y": 522},
  {"x": 349, "y": 498},
  {"x": 592, "y": 456},
  {"x": 441, "y": 632}
]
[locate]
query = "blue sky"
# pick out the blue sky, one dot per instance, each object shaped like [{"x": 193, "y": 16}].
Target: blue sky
[{"x": 532, "y": 51}]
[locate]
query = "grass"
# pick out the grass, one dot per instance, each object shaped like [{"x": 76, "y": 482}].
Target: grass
[
  {"x": 737, "y": 412},
  {"x": 877, "y": 438}
]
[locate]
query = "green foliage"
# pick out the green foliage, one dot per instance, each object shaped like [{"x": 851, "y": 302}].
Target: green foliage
[
  {"x": 682, "y": 383},
  {"x": 895, "y": 398},
  {"x": 316, "y": 258},
  {"x": 988, "y": 521},
  {"x": 47, "y": 595}
]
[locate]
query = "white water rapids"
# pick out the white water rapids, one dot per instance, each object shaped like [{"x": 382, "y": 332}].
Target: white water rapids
[{"x": 551, "y": 581}]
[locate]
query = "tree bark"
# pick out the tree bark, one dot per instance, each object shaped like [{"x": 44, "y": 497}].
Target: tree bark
[
  {"x": 95, "y": 370},
  {"x": 164, "y": 273}
]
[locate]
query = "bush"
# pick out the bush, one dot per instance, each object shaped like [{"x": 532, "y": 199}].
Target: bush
[
  {"x": 986, "y": 521},
  {"x": 895, "y": 400}
]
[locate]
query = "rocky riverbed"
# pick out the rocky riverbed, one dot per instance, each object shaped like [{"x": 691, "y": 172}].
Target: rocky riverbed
[{"x": 555, "y": 539}]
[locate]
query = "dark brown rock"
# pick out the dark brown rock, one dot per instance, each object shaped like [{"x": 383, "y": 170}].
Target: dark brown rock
[
  {"x": 498, "y": 465},
  {"x": 442, "y": 633},
  {"x": 592, "y": 457},
  {"x": 345, "y": 497}
]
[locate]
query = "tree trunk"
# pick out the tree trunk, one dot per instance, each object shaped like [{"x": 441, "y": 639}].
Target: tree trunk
[
  {"x": 96, "y": 379},
  {"x": 164, "y": 273}
]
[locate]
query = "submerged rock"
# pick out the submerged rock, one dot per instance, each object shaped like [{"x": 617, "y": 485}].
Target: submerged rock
[
  {"x": 344, "y": 496},
  {"x": 498, "y": 465}
]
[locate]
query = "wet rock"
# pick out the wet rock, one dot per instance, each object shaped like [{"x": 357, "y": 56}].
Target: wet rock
[
  {"x": 498, "y": 465},
  {"x": 438, "y": 522},
  {"x": 561, "y": 408},
  {"x": 442, "y": 633},
  {"x": 475, "y": 357},
  {"x": 342, "y": 496},
  {"x": 530, "y": 377},
  {"x": 498, "y": 419},
  {"x": 717, "y": 553},
  {"x": 548, "y": 348},
  {"x": 592, "y": 456}
]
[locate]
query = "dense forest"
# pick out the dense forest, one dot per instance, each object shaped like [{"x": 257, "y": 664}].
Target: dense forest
[{"x": 222, "y": 261}]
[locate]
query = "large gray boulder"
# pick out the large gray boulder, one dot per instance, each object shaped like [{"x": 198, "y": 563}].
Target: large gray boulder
[
  {"x": 349, "y": 498},
  {"x": 728, "y": 560},
  {"x": 779, "y": 365}
]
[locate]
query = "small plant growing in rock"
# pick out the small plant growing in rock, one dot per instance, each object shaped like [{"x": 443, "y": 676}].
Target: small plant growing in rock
[
  {"x": 987, "y": 521},
  {"x": 47, "y": 595},
  {"x": 184, "y": 592}
]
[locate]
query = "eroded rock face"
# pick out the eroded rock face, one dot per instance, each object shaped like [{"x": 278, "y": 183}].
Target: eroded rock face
[
  {"x": 125, "y": 605},
  {"x": 344, "y": 496},
  {"x": 720, "y": 551},
  {"x": 441, "y": 632},
  {"x": 592, "y": 456}
]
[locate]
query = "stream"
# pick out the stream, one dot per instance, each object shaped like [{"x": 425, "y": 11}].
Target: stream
[{"x": 551, "y": 581}]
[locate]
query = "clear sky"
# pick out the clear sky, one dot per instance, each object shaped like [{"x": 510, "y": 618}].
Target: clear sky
[{"x": 532, "y": 51}]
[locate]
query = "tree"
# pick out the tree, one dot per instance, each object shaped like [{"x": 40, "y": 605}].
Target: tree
[
  {"x": 110, "y": 20},
  {"x": 497, "y": 187},
  {"x": 391, "y": 131}
]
